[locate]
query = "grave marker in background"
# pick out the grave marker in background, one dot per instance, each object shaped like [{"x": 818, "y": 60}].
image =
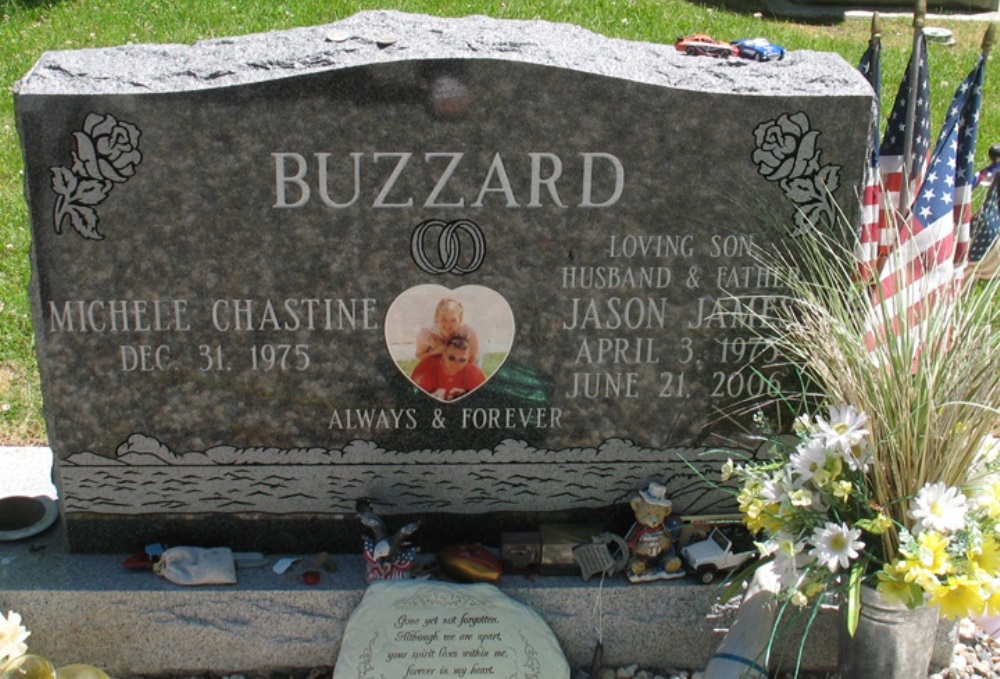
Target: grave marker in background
[{"x": 239, "y": 244}]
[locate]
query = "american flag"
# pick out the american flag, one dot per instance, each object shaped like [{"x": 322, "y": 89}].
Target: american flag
[
  {"x": 894, "y": 144},
  {"x": 923, "y": 265},
  {"x": 965, "y": 171},
  {"x": 869, "y": 236},
  {"x": 986, "y": 225}
]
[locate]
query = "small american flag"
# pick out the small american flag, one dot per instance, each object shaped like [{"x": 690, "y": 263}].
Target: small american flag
[
  {"x": 894, "y": 143},
  {"x": 923, "y": 264},
  {"x": 965, "y": 171},
  {"x": 870, "y": 236}
]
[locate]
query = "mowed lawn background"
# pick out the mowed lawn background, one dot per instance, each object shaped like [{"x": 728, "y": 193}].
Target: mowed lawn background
[{"x": 29, "y": 28}]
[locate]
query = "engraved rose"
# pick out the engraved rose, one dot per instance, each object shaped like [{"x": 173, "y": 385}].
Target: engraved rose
[
  {"x": 787, "y": 153},
  {"x": 106, "y": 149},
  {"x": 786, "y": 147},
  {"x": 107, "y": 153}
]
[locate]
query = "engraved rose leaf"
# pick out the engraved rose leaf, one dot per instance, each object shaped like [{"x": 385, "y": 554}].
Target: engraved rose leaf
[
  {"x": 829, "y": 176},
  {"x": 800, "y": 191},
  {"x": 91, "y": 192},
  {"x": 84, "y": 221},
  {"x": 63, "y": 181}
]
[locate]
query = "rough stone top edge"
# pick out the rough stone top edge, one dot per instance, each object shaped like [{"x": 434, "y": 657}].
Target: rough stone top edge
[{"x": 382, "y": 37}]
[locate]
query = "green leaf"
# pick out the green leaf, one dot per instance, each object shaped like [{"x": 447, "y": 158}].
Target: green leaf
[
  {"x": 854, "y": 597},
  {"x": 870, "y": 526}
]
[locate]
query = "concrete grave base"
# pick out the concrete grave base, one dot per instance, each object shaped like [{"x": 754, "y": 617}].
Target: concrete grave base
[{"x": 89, "y": 608}]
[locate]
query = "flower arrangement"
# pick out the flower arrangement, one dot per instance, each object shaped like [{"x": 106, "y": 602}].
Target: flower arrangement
[
  {"x": 896, "y": 486},
  {"x": 814, "y": 504}
]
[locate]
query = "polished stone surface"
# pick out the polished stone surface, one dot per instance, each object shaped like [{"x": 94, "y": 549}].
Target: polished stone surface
[{"x": 239, "y": 247}]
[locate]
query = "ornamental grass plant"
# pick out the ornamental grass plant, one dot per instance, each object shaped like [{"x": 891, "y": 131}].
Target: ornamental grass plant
[{"x": 898, "y": 486}]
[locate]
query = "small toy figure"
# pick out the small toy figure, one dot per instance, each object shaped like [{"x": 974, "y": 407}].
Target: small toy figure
[
  {"x": 386, "y": 558},
  {"x": 651, "y": 538}
]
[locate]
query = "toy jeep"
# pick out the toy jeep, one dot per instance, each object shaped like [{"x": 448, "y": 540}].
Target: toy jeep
[{"x": 722, "y": 551}]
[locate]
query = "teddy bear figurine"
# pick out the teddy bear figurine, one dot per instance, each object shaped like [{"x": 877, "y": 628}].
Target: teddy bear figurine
[{"x": 651, "y": 539}]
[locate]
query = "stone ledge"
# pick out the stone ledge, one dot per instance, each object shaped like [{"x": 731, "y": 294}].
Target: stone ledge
[{"x": 89, "y": 608}]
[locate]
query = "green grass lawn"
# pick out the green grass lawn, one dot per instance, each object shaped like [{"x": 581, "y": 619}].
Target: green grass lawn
[{"x": 30, "y": 27}]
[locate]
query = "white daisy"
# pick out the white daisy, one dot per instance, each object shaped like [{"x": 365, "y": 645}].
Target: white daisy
[
  {"x": 807, "y": 459},
  {"x": 788, "y": 562},
  {"x": 938, "y": 507},
  {"x": 834, "y": 545},
  {"x": 12, "y": 636},
  {"x": 861, "y": 455},
  {"x": 844, "y": 431}
]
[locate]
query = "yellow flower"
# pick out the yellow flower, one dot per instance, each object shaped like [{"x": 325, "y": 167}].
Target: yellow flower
[
  {"x": 959, "y": 597},
  {"x": 988, "y": 558},
  {"x": 834, "y": 465},
  {"x": 728, "y": 469},
  {"x": 799, "y": 599},
  {"x": 842, "y": 490},
  {"x": 892, "y": 584},
  {"x": 822, "y": 477},
  {"x": 801, "y": 498},
  {"x": 748, "y": 494},
  {"x": 923, "y": 578},
  {"x": 759, "y": 515},
  {"x": 770, "y": 518},
  {"x": 993, "y": 598},
  {"x": 931, "y": 556},
  {"x": 882, "y": 524},
  {"x": 814, "y": 588}
]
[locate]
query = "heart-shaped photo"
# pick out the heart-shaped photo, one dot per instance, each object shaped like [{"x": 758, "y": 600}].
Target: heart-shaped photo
[{"x": 449, "y": 343}]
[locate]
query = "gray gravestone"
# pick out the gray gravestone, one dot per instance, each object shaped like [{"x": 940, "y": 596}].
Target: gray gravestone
[{"x": 241, "y": 245}]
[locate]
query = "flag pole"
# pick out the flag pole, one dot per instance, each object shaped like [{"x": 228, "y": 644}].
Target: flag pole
[
  {"x": 873, "y": 41},
  {"x": 989, "y": 39},
  {"x": 919, "y": 15}
]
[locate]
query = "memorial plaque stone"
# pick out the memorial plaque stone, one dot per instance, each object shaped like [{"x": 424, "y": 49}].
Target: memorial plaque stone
[
  {"x": 477, "y": 274},
  {"x": 436, "y": 629}
]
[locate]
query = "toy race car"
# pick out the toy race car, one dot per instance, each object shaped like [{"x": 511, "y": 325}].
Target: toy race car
[
  {"x": 759, "y": 49},
  {"x": 705, "y": 45}
]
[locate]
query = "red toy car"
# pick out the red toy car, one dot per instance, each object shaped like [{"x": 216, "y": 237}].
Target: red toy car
[{"x": 705, "y": 45}]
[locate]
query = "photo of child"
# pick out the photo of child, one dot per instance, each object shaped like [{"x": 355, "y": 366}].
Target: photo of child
[{"x": 449, "y": 321}]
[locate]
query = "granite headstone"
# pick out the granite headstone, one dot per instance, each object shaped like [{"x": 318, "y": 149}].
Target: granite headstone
[{"x": 252, "y": 257}]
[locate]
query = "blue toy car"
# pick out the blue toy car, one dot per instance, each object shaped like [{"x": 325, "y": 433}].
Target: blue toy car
[{"x": 759, "y": 49}]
